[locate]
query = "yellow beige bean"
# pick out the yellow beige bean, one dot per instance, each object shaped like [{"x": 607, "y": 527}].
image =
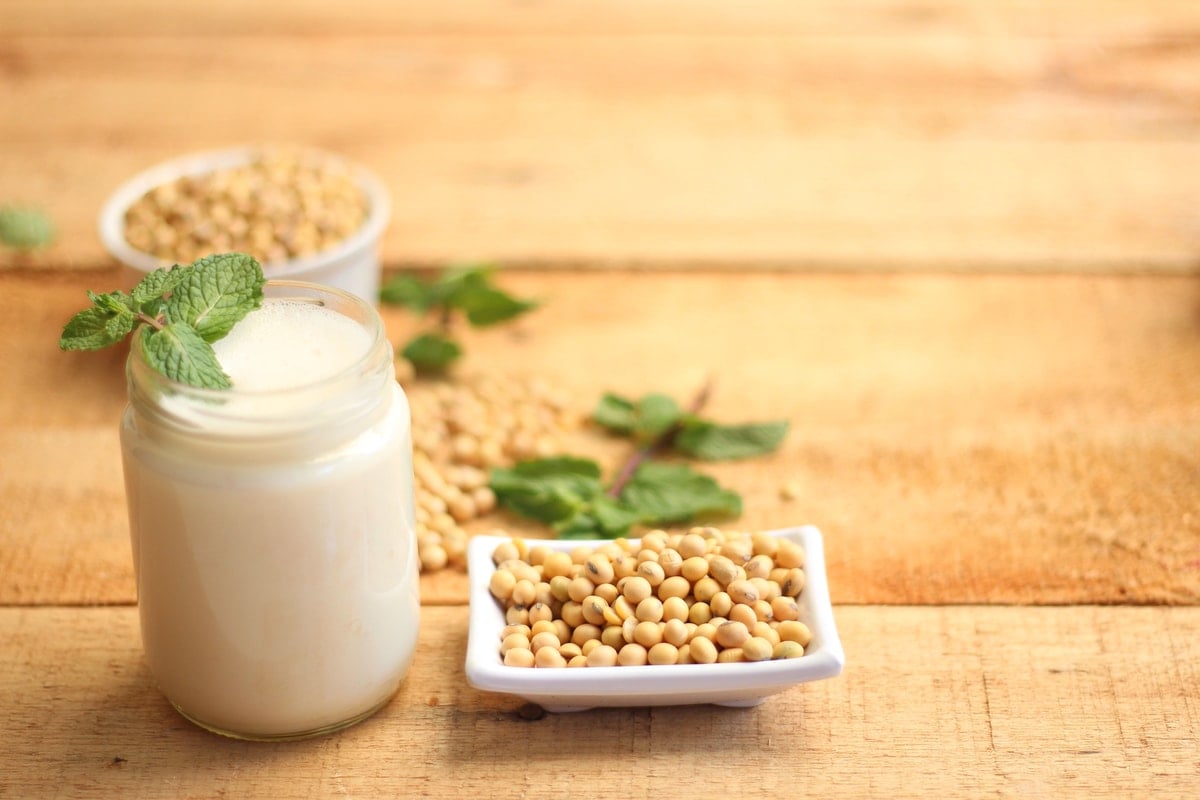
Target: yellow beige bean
[
  {"x": 702, "y": 650},
  {"x": 519, "y": 657},
  {"x": 788, "y": 649},
  {"x": 794, "y": 631},
  {"x": 549, "y": 657},
  {"x": 732, "y": 634},
  {"x": 757, "y": 649},
  {"x": 675, "y": 608},
  {"x": 602, "y": 656},
  {"x": 632, "y": 655},
  {"x": 663, "y": 653}
]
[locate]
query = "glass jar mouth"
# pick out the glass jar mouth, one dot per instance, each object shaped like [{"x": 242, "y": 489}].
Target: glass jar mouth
[{"x": 328, "y": 402}]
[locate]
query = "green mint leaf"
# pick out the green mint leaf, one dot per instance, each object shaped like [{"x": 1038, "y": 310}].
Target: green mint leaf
[
  {"x": 117, "y": 303},
  {"x": 712, "y": 442},
  {"x": 214, "y": 293},
  {"x": 605, "y": 518},
  {"x": 666, "y": 493},
  {"x": 655, "y": 415},
  {"x": 92, "y": 329},
  {"x": 646, "y": 420},
  {"x": 119, "y": 326},
  {"x": 582, "y": 525},
  {"x": 470, "y": 289},
  {"x": 431, "y": 352},
  {"x": 548, "y": 489},
  {"x": 108, "y": 321},
  {"x": 458, "y": 279},
  {"x": 615, "y": 413},
  {"x": 408, "y": 291},
  {"x": 487, "y": 305},
  {"x": 25, "y": 228},
  {"x": 150, "y": 292},
  {"x": 613, "y": 519},
  {"x": 182, "y": 354}
]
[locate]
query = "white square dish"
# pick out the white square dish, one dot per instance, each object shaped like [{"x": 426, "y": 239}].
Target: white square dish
[{"x": 733, "y": 684}]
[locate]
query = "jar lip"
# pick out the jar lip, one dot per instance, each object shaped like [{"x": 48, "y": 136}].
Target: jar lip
[{"x": 329, "y": 406}]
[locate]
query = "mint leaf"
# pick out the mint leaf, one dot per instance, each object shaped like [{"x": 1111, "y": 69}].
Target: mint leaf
[
  {"x": 25, "y": 228},
  {"x": 655, "y": 415},
  {"x": 178, "y": 351},
  {"x": 603, "y": 518},
  {"x": 487, "y": 305},
  {"x": 615, "y": 413},
  {"x": 431, "y": 352},
  {"x": 108, "y": 321},
  {"x": 408, "y": 291},
  {"x": 647, "y": 419},
  {"x": 148, "y": 295},
  {"x": 119, "y": 326},
  {"x": 581, "y": 526},
  {"x": 612, "y": 518},
  {"x": 113, "y": 302},
  {"x": 457, "y": 281},
  {"x": 215, "y": 293},
  {"x": 91, "y": 329},
  {"x": 665, "y": 493},
  {"x": 471, "y": 290},
  {"x": 712, "y": 442},
  {"x": 565, "y": 492},
  {"x": 548, "y": 489}
]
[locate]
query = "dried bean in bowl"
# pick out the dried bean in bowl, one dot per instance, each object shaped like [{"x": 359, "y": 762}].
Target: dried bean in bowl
[
  {"x": 279, "y": 205},
  {"x": 645, "y": 624}
]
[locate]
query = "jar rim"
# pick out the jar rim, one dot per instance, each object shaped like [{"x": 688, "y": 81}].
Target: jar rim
[{"x": 334, "y": 399}]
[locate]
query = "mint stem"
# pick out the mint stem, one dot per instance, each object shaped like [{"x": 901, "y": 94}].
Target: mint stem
[
  {"x": 153, "y": 322},
  {"x": 646, "y": 452}
]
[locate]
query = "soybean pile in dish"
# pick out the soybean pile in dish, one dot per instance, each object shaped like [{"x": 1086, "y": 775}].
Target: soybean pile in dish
[{"x": 704, "y": 596}]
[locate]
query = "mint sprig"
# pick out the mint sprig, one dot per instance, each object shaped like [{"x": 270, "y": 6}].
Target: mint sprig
[
  {"x": 468, "y": 292},
  {"x": 180, "y": 312},
  {"x": 658, "y": 418},
  {"x": 567, "y": 493}
]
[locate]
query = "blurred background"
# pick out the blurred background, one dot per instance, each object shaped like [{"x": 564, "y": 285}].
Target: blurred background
[{"x": 856, "y": 134}]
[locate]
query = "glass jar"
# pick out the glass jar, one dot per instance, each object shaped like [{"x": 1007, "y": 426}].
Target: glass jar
[{"x": 273, "y": 538}]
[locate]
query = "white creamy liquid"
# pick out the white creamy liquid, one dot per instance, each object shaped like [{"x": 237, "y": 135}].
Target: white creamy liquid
[
  {"x": 277, "y": 587},
  {"x": 287, "y": 340}
]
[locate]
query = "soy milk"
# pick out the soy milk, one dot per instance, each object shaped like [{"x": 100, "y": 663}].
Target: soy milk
[{"x": 272, "y": 524}]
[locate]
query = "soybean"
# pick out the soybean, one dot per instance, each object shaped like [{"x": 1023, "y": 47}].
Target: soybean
[{"x": 706, "y": 596}]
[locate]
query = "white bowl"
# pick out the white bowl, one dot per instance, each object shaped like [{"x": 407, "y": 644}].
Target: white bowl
[
  {"x": 734, "y": 684},
  {"x": 351, "y": 265}
]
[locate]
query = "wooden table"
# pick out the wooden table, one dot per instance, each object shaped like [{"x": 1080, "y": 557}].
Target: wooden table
[{"x": 956, "y": 244}]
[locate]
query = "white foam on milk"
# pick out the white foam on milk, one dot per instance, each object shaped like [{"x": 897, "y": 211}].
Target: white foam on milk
[{"x": 289, "y": 343}]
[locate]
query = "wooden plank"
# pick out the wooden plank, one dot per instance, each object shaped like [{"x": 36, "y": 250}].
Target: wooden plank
[
  {"x": 962, "y": 702},
  {"x": 897, "y": 137},
  {"x": 1001, "y": 439},
  {"x": 578, "y": 18}
]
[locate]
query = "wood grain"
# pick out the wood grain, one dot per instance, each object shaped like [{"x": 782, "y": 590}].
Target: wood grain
[
  {"x": 581, "y": 19},
  {"x": 882, "y": 135},
  {"x": 1001, "y": 439},
  {"x": 963, "y": 702}
]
